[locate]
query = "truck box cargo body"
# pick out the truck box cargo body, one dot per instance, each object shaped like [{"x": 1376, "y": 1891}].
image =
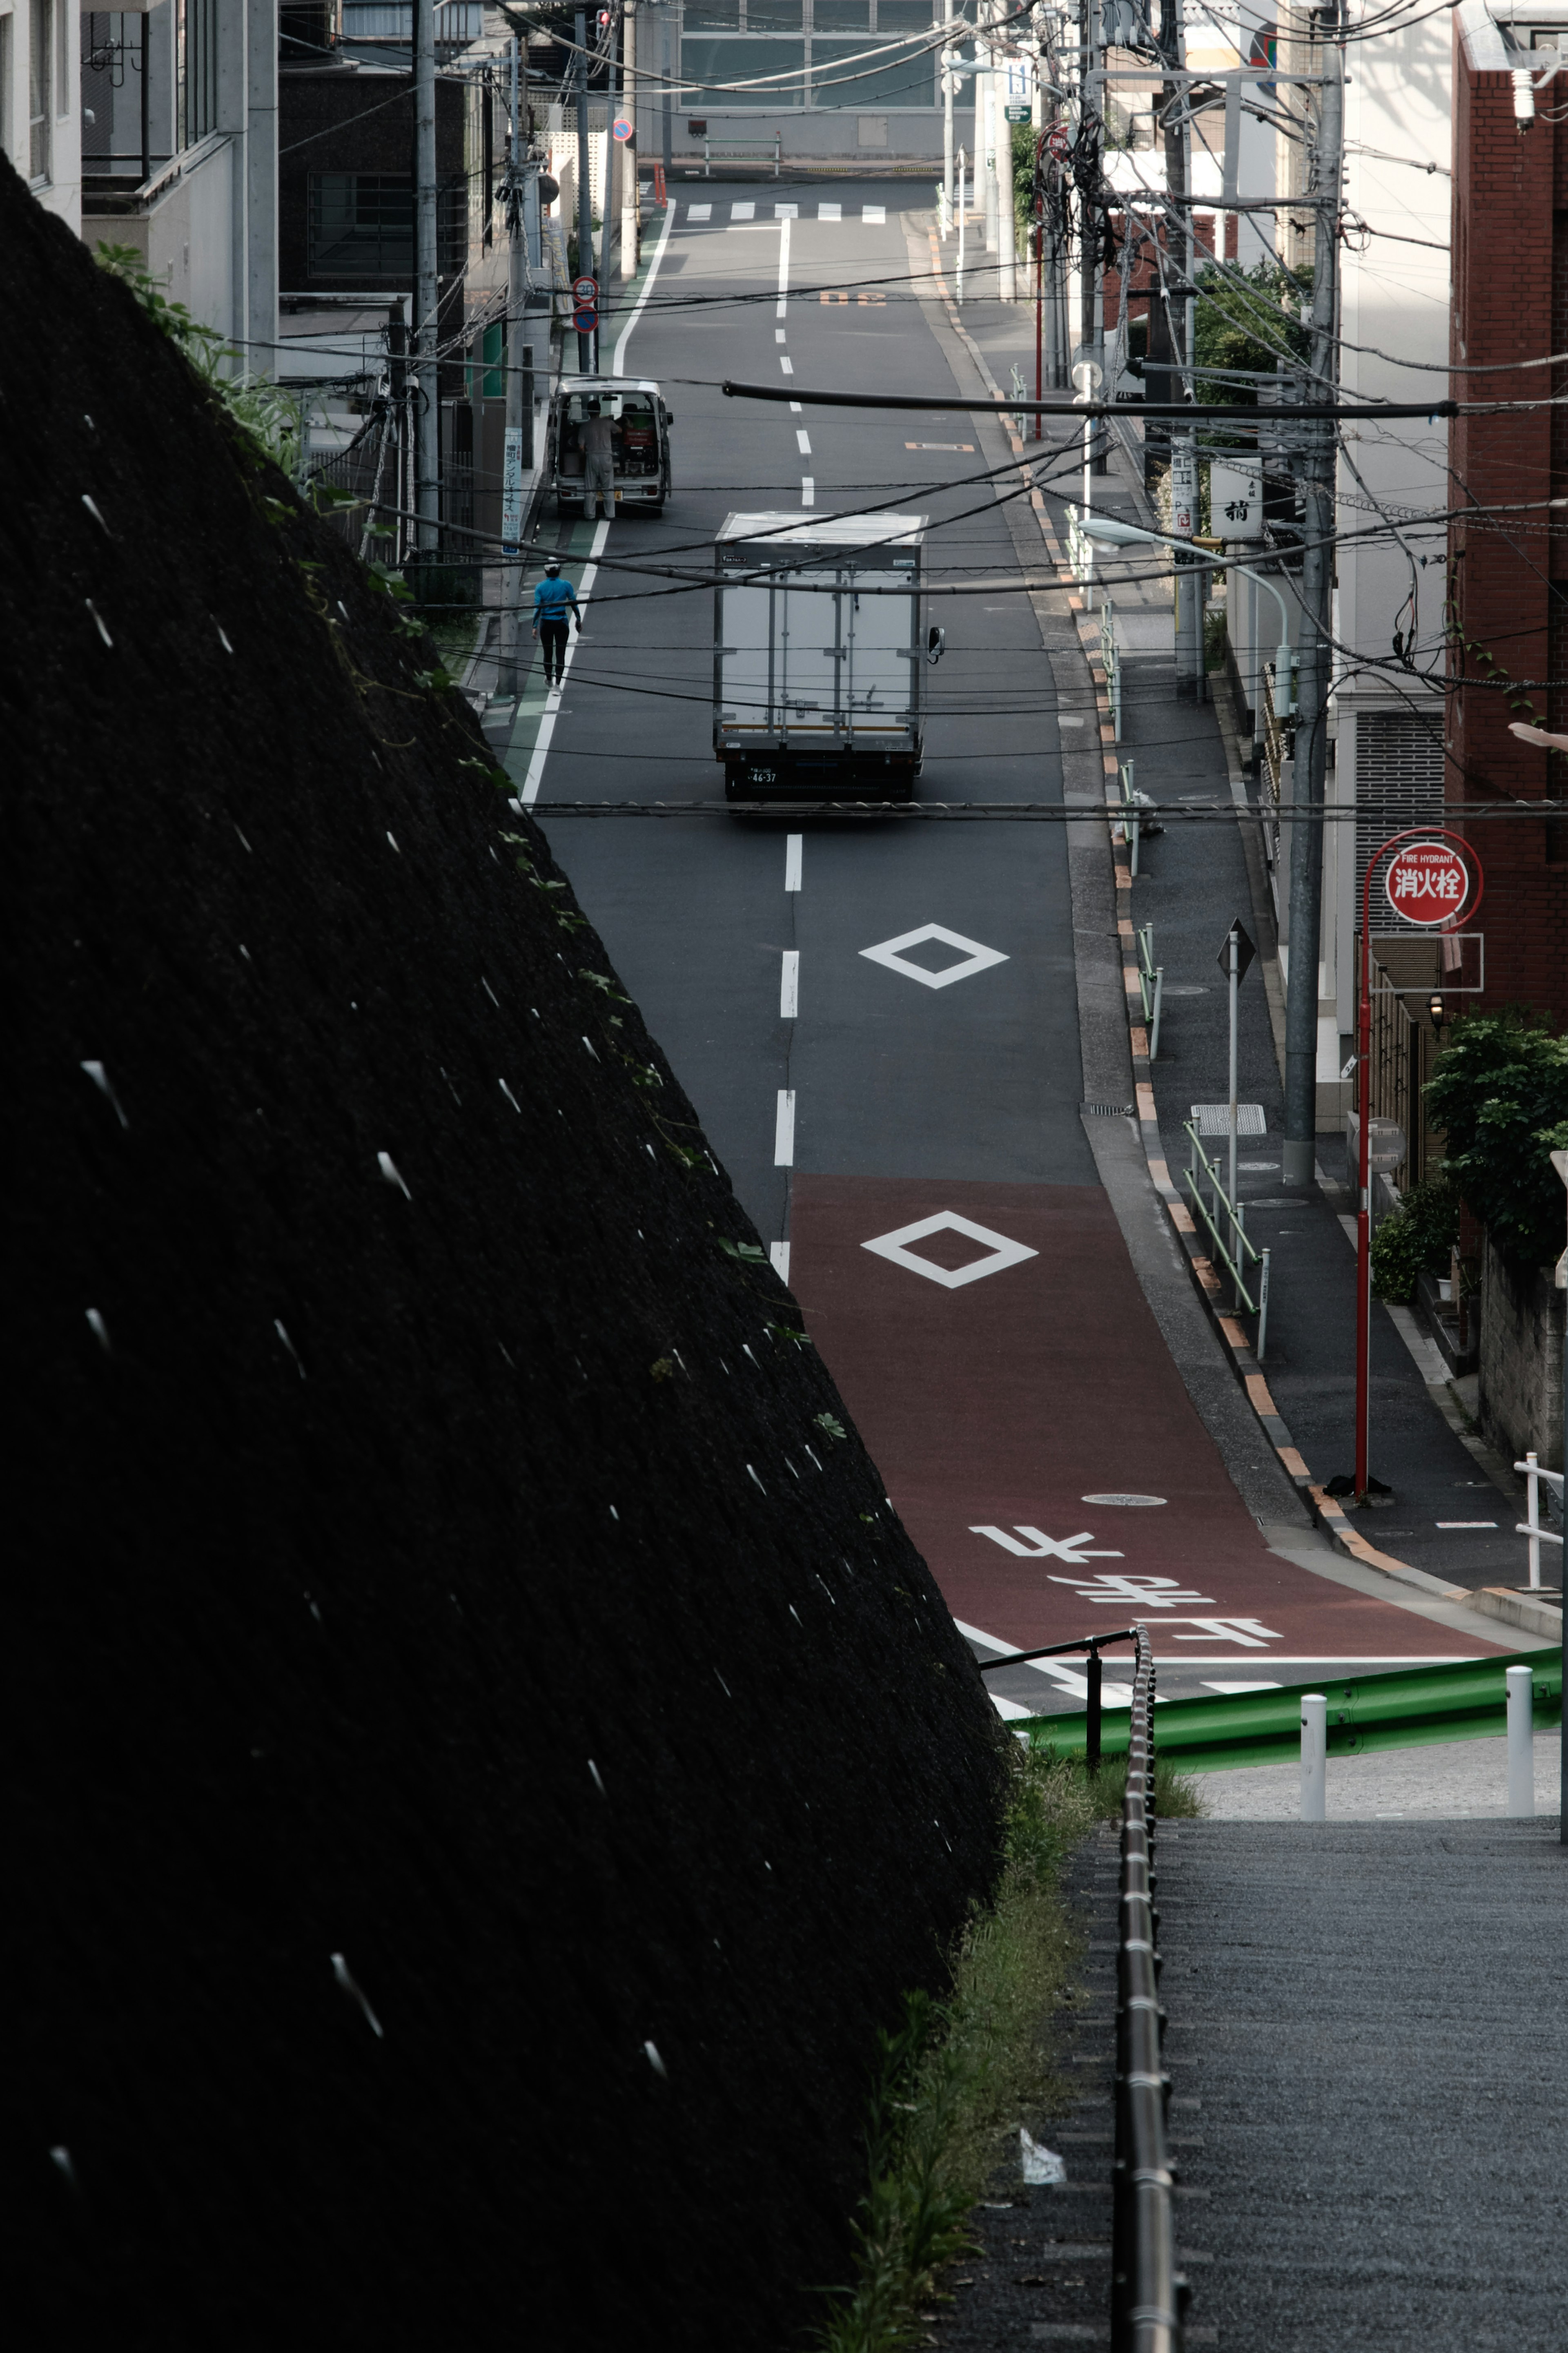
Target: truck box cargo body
[{"x": 818, "y": 656}]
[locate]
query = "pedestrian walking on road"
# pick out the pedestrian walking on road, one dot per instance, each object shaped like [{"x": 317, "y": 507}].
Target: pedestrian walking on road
[
  {"x": 553, "y": 598},
  {"x": 598, "y": 463}
]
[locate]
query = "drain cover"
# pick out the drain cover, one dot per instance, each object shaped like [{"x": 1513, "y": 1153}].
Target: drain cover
[
  {"x": 1213, "y": 1119},
  {"x": 1106, "y": 1111}
]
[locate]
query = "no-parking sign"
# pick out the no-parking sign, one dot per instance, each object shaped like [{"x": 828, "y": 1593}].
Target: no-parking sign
[{"x": 1429, "y": 883}]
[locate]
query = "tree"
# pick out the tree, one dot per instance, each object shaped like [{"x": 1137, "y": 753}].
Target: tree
[
  {"x": 1247, "y": 319},
  {"x": 1499, "y": 1093}
]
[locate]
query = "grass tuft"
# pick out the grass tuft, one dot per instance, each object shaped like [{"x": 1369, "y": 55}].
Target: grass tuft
[
  {"x": 953, "y": 2078},
  {"x": 1176, "y": 1794}
]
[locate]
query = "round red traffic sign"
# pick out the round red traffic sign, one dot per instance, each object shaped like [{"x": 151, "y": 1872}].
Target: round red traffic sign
[
  {"x": 1059, "y": 141},
  {"x": 585, "y": 292},
  {"x": 1429, "y": 883}
]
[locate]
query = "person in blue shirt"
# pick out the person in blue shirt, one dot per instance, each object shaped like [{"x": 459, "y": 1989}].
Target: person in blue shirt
[{"x": 553, "y": 598}]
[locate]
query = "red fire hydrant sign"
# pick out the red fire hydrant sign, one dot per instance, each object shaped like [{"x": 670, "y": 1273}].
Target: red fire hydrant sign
[{"x": 1427, "y": 882}]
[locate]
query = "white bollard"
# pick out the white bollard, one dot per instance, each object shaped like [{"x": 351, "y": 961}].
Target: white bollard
[
  {"x": 1314, "y": 1756},
  {"x": 1520, "y": 1742}
]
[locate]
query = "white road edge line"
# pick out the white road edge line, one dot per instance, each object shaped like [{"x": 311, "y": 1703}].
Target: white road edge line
[
  {"x": 789, "y": 985},
  {"x": 783, "y": 1130},
  {"x": 793, "y": 843},
  {"x": 535, "y": 776},
  {"x": 617, "y": 364}
]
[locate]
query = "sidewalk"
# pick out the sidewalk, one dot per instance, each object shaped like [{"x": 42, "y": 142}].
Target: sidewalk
[
  {"x": 1359, "y": 2029},
  {"x": 1192, "y": 883}
]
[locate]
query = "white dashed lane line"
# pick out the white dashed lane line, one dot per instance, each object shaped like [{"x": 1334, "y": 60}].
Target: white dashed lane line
[
  {"x": 794, "y": 845},
  {"x": 803, "y": 443},
  {"x": 789, "y": 985},
  {"x": 783, "y": 1130}
]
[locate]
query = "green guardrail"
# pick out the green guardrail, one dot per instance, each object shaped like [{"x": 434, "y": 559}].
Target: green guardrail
[{"x": 1400, "y": 1710}]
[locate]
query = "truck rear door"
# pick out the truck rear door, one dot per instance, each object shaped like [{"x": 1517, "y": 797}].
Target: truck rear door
[{"x": 880, "y": 633}]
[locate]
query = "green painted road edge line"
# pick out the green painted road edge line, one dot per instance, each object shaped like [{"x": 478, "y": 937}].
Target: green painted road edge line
[{"x": 1404, "y": 1709}]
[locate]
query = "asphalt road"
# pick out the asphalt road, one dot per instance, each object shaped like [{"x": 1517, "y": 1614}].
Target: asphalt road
[{"x": 1035, "y": 1434}]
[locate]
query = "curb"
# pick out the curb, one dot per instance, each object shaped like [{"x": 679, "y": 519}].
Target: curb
[
  {"x": 1518, "y": 1610},
  {"x": 1250, "y": 1372}
]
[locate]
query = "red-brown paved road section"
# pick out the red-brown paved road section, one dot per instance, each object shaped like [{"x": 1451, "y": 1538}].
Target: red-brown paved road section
[{"x": 1002, "y": 1403}]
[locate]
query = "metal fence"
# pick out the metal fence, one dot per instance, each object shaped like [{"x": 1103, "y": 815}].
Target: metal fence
[{"x": 1147, "y": 2296}]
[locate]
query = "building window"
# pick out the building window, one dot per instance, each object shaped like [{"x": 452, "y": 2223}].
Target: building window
[
  {"x": 360, "y": 225},
  {"x": 196, "y": 66},
  {"x": 41, "y": 57},
  {"x": 809, "y": 43}
]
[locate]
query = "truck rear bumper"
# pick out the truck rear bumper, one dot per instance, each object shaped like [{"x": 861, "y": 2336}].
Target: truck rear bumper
[{"x": 858, "y": 775}]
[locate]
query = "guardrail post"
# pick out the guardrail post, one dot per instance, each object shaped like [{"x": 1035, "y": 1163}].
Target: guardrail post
[
  {"x": 1262, "y": 1305},
  {"x": 1520, "y": 1742},
  {"x": 1314, "y": 1756},
  {"x": 1532, "y": 1516},
  {"x": 1091, "y": 1730},
  {"x": 1159, "y": 1000}
]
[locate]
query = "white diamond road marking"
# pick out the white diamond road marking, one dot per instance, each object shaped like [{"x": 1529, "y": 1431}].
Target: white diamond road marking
[
  {"x": 999, "y": 1252},
  {"x": 973, "y": 958}
]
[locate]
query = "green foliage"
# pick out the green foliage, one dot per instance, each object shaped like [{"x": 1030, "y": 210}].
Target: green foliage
[
  {"x": 1417, "y": 1239},
  {"x": 268, "y": 415},
  {"x": 1499, "y": 1094},
  {"x": 953, "y": 2078},
  {"x": 748, "y": 1253},
  {"x": 1252, "y": 320},
  {"x": 1024, "y": 138}
]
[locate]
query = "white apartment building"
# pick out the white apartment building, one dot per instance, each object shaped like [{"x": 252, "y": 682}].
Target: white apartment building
[
  {"x": 179, "y": 155},
  {"x": 40, "y": 105}
]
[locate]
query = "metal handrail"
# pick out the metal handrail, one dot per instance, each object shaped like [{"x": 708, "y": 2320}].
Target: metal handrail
[
  {"x": 1533, "y": 1526},
  {"x": 1235, "y": 1218},
  {"x": 1147, "y": 2298},
  {"x": 1110, "y": 663},
  {"x": 1150, "y": 986},
  {"x": 1093, "y": 1644}
]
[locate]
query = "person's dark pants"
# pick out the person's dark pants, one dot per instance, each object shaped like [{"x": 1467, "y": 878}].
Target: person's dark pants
[{"x": 553, "y": 637}]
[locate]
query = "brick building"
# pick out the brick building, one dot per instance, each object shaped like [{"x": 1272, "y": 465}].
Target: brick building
[{"x": 1509, "y": 591}]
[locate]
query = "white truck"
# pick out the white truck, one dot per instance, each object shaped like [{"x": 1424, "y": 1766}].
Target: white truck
[{"x": 819, "y": 656}]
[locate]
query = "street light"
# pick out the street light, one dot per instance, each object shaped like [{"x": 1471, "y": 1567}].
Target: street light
[{"x": 1127, "y": 534}]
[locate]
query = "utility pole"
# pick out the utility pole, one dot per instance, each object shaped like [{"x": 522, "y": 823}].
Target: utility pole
[
  {"x": 584, "y": 190},
  {"x": 1178, "y": 261},
  {"x": 1310, "y": 767},
  {"x": 948, "y": 84},
  {"x": 426, "y": 287},
  {"x": 666, "y": 20},
  {"x": 508, "y": 683},
  {"x": 984, "y": 177},
  {"x": 628, "y": 165}
]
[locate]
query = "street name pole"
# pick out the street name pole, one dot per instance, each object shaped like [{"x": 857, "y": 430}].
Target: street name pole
[
  {"x": 630, "y": 208},
  {"x": 426, "y": 287},
  {"x": 1317, "y": 599},
  {"x": 508, "y": 682},
  {"x": 585, "y": 193}
]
